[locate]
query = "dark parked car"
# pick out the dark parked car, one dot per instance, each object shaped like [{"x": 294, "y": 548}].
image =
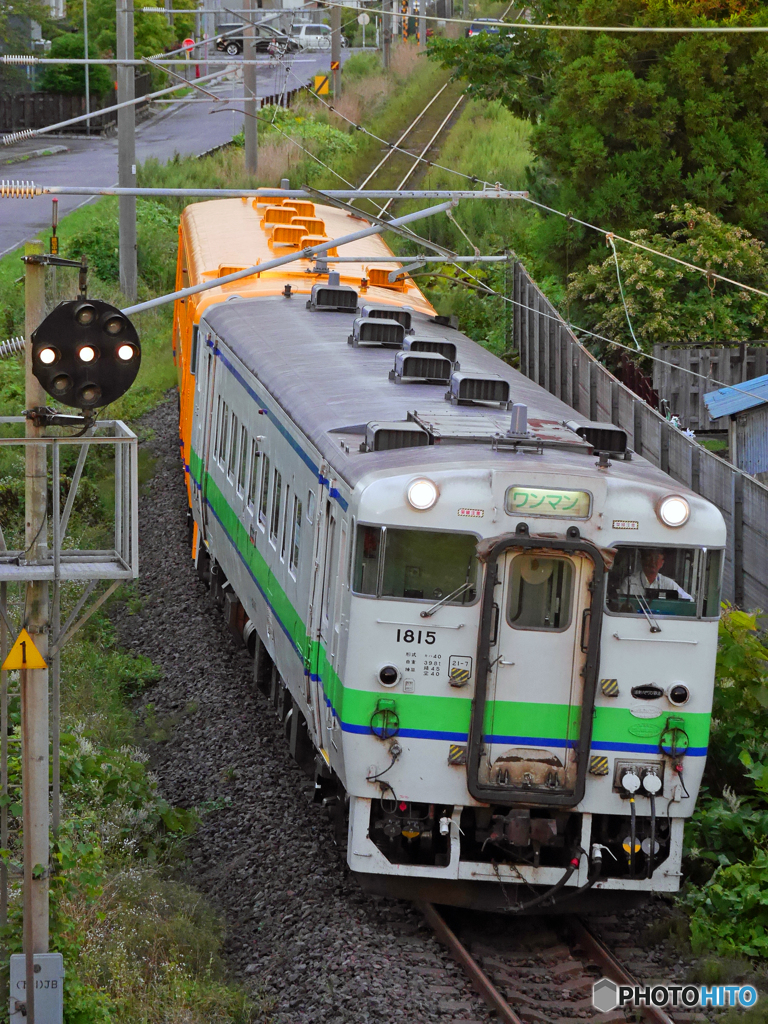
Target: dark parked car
[
  {"x": 231, "y": 39},
  {"x": 488, "y": 25}
]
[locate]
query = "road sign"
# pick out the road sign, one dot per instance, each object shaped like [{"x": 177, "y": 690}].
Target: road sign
[
  {"x": 188, "y": 44},
  {"x": 321, "y": 85},
  {"x": 335, "y": 65},
  {"x": 363, "y": 19},
  {"x": 23, "y": 654}
]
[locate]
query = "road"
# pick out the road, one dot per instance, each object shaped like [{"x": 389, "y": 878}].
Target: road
[{"x": 189, "y": 129}]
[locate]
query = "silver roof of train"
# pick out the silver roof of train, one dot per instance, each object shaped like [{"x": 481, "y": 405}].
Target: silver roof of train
[{"x": 302, "y": 358}]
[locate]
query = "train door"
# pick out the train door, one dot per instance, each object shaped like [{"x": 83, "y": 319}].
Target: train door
[
  {"x": 537, "y": 663},
  {"x": 202, "y": 435}
]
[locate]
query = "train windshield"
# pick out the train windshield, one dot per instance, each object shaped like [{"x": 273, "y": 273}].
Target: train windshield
[
  {"x": 418, "y": 565},
  {"x": 665, "y": 581}
]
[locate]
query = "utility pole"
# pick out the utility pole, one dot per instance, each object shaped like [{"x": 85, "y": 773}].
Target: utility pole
[
  {"x": 336, "y": 49},
  {"x": 34, "y": 682},
  {"x": 126, "y": 150},
  {"x": 386, "y": 29},
  {"x": 87, "y": 68},
  {"x": 422, "y": 11},
  {"x": 251, "y": 126},
  {"x": 465, "y": 9}
]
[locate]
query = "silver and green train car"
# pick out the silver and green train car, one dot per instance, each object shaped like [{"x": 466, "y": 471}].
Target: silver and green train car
[{"x": 489, "y": 629}]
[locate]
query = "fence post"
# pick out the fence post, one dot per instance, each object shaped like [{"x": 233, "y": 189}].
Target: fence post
[
  {"x": 664, "y": 447},
  {"x": 637, "y": 410},
  {"x": 696, "y": 468},
  {"x": 592, "y": 389},
  {"x": 738, "y": 539}
]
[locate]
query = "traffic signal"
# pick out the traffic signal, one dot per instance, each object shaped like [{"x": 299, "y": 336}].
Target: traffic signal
[{"x": 86, "y": 353}]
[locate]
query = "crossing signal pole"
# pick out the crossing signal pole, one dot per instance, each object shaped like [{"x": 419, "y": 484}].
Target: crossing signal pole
[{"x": 126, "y": 150}]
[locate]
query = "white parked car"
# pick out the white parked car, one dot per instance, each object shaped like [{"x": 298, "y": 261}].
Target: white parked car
[{"x": 314, "y": 37}]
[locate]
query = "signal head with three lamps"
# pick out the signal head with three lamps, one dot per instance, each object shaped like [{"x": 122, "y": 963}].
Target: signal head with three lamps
[{"x": 86, "y": 353}]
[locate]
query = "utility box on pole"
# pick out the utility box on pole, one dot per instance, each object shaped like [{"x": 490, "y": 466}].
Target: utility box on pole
[
  {"x": 126, "y": 150},
  {"x": 49, "y": 988}
]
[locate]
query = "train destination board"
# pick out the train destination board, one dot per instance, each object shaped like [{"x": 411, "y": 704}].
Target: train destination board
[{"x": 551, "y": 502}]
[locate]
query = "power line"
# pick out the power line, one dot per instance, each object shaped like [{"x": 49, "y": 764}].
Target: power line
[{"x": 631, "y": 29}]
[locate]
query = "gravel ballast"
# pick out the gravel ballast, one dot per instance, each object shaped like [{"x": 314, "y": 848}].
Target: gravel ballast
[{"x": 299, "y": 929}]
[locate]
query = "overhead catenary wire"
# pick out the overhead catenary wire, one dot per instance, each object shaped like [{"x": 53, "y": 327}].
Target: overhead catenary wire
[
  {"x": 621, "y": 290},
  {"x": 546, "y": 27}
]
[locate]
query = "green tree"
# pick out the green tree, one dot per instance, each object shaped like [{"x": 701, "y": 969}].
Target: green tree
[
  {"x": 625, "y": 124},
  {"x": 70, "y": 78},
  {"x": 152, "y": 33},
  {"x": 665, "y": 301}
]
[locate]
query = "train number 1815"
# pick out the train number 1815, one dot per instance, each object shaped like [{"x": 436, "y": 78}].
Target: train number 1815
[{"x": 416, "y": 636}]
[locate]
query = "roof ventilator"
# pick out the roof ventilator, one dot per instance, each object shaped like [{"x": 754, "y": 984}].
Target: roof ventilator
[
  {"x": 382, "y": 312},
  {"x": 439, "y": 346},
  {"x": 380, "y": 437},
  {"x": 368, "y": 331},
  {"x": 333, "y": 297},
  {"x": 603, "y": 437},
  {"x": 420, "y": 368},
  {"x": 478, "y": 389}
]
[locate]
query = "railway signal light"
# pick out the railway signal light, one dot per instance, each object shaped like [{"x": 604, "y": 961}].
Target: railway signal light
[{"x": 86, "y": 353}]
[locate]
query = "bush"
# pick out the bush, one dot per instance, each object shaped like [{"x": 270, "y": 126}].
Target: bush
[
  {"x": 70, "y": 78},
  {"x": 360, "y": 65}
]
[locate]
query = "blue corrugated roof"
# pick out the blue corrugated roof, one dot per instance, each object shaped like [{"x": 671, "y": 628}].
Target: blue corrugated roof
[{"x": 728, "y": 401}]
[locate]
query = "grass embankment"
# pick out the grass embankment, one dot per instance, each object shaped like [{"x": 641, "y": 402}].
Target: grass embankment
[{"x": 140, "y": 946}]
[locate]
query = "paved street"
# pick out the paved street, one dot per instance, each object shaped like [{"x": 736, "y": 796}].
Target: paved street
[{"x": 190, "y": 128}]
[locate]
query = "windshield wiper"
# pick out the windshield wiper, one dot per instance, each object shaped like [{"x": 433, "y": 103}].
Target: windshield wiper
[
  {"x": 645, "y": 608},
  {"x": 443, "y": 600}
]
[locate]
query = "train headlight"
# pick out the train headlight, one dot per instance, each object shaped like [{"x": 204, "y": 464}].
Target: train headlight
[
  {"x": 422, "y": 494},
  {"x": 673, "y": 510}
]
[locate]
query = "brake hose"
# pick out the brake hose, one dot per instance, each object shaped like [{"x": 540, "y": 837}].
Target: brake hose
[
  {"x": 594, "y": 875},
  {"x": 572, "y": 866}
]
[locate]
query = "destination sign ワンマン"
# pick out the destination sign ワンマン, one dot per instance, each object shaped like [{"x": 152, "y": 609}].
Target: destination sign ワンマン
[{"x": 550, "y": 502}]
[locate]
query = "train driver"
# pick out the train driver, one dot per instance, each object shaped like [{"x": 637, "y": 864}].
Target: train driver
[{"x": 649, "y": 578}]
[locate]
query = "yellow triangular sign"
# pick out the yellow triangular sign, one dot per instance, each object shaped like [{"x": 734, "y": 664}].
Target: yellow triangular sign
[{"x": 23, "y": 654}]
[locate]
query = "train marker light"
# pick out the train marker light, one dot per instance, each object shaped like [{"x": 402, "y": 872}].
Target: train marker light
[
  {"x": 422, "y": 495},
  {"x": 86, "y": 353},
  {"x": 673, "y": 510}
]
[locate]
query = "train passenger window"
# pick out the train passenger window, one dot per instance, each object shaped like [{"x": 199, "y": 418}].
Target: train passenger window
[
  {"x": 277, "y": 494},
  {"x": 253, "y": 484},
  {"x": 232, "y": 449},
  {"x": 264, "y": 492},
  {"x": 243, "y": 464},
  {"x": 286, "y": 524},
  {"x": 224, "y": 433},
  {"x": 540, "y": 593},
  {"x": 217, "y": 428},
  {"x": 311, "y": 506},
  {"x": 664, "y": 581},
  {"x": 418, "y": 565},
  {"x": 295, "y": 536}
]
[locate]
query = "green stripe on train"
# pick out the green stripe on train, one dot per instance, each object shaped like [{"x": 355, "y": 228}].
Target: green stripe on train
[{"x": 437, "y": 714}]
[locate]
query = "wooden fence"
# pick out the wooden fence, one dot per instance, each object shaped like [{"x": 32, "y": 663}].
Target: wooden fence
[
  {"x": 684, "y": 393},
  {"x": 38, "y": 109},
  {"x": 551, "y": 355}
]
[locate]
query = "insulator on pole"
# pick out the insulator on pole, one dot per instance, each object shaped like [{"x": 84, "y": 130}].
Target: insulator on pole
[
  {"x": 10, "y": 347},
  {"x": 28, "y": 133},
  {"x": 19, "y": 190}
]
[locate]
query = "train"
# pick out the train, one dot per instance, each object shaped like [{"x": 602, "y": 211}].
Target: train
[{"x": 488, "y": 627}]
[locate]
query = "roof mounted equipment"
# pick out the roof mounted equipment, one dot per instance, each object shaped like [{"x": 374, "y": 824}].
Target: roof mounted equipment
[
  {"x": 380, "y": 437},
  {"x": 371, "y": 331},
  {"x": 603, "y": 437},
  {"x": 420, "y": 368},
  {"x": 439, "y": 346},
  {"x": 333, "y": 297},
  {"x": 478, "y": 389},
  {"x": 378, "y": 311}
]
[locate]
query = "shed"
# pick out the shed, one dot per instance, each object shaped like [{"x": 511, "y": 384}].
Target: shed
[{"x": 746, "y": 408}]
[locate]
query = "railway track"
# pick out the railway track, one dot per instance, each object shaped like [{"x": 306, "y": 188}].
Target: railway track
[
  {"x": 540, "y": 971},
  {"x": 402, "y": 161}
]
